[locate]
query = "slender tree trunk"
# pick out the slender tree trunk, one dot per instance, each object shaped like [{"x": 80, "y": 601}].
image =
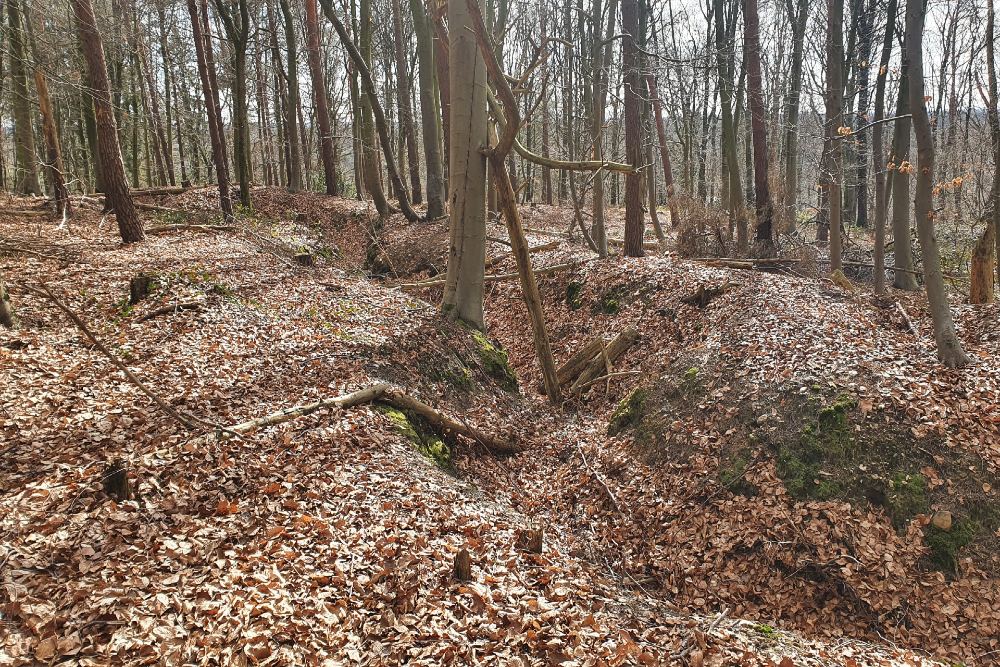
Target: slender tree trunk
[
  {"x": 214, "y": 129},
  {"x": 430, "y": 111},
  {"x": 633, "y": 129},
  {"x": 834, "y": 121},
  {"x": 320, "y": 98},
  {"x": 403, "y": 97},
  {"x": 799, "y": 18},
  {"x": 863, "y": 74},
  {"x": 117, "y": 195},
  {"x": 463, "y": 293},
  {"x": 25, "y": 168},
  {"x": 236, "y": 22},
  {"x": 291, "y": 110},
  {"x": 602, "y": 57},
  {"x": 661, "y": 135},
  {"x": 901, "y": 249},
  {"x": 994, "y": 122},
  {"x": 755, "y": 94},
  {"x": 949, "y": 346},
  {"x": 878, "y": 149}
]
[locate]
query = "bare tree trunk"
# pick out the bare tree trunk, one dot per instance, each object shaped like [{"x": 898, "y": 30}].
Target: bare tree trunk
[
  {"x": 994, "y": 122},
  {"x": 878, "y": 149},
  {"x": 661, "y": 135},
  {"x": 237, "y": 25},
  {"x": 755, "y": 94},
  {"x": 26, "y": 171},
  {"x": 320, "y": 97},
  {"x": 633, "y": 129},
  {"x": 117, "y": 195},
  {"x": 291, "y": 110},
  {"x": 430, "y": 110},
  {"x": 834, "y": 120},
  {"x": 403, "y": 98},
  {"x": 463, "y": 293},
  {"x": 901, "y": 250},
  {"x": 214, "y": 130},
  {"x": 799, "y": 17},
  {"x": 950, "y": 350}
]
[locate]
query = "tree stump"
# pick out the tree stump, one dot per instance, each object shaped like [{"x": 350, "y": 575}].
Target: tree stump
[
  {"x": 301, "y": 218},
  {"x": 115, "y": 480},
  {"x": 463, "y": 565},
  {"x": 981, "y": 289},
  {"x": 305, "y": 259},
  {"x": 531, "y": 540},
  {"x": 140, "y": 287}
]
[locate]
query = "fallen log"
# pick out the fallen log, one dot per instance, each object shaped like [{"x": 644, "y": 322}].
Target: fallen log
[
  {"x": 379, "y": 393},
  {"x": 173, "y": 308},
  {"x": 166, "y": 229},
  {"x": 648, "y": 245},
  {"x": 580, "y": 359},
  {"x": 434, "y": 282},
  {"x": 551, "y": 245},
  {"x": 159, "y": 209},
  {"x": 601, "y": 364},
  {"x": 170, "y": 190},
  {"x": 26, "y": 212}
]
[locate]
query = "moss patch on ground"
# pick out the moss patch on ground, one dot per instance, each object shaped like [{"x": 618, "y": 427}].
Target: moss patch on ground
[
  {"x": 612, "y": 301},
  {"x": 629, "y": 412},
  {"x": 495, "y": 362},
  {"x": 574, "y": 295},
  {"x": 417, "y": 431}
]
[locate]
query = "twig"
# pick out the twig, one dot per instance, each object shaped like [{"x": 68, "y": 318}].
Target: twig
[
  {"x": 166, "y": 310},
  {"x": 162, "y": 404},
  {"x": 609, "y": 376}
]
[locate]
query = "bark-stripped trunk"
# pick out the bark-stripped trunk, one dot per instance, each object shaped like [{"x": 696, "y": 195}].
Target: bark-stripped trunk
[
  {"x": 117, "y": 195},
  {"x": 949, "y": 347},
  {"x": 320, "y": 98}
]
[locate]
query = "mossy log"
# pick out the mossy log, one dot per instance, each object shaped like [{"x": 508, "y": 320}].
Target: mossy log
[{"x": 383, "y": 393}]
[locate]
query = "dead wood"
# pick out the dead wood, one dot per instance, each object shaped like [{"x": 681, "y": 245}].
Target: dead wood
[
  {"x": 704, "y": 295},
  {"x": 463, "y": 565},
  {"x": 576, "y": 363},
  {"x": 171, "y": 190},
  {"x": 140, "y": 287},
  {"x": 159, "y": 209},
  {"x": 304, "y": 259},
  {"x": 434, "y": 282},
  {"x": 601, "y": 364},
  {"x": 173, "y": 308},
  {"x": 382, "y": 393},
  {"x": 115, "y": 480},
  {"x": 551, "y": 245},
  {"x": 165, "y": 229}
]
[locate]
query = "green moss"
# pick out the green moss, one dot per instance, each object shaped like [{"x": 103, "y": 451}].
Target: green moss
[
  {"x": 766, "y": 630},
  {"x": 944, "y": 545},
  {"x": 495, "y": 362},
  {"x": 733, "y": 476},
  {"x": 906, "y": 497},
  {"x": 629, "y": 412},
  {"x": 611, "y": 302},
  {"x": 460, "y": 378},
  {"x": 574, "y": 294},
  {"x": 826, "y": 441},
  {"x": 415, "y": 430}
]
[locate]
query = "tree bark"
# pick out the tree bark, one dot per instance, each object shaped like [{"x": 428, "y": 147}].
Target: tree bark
[
  {"x": 994, "y": 122},
  {"x": 878, "y": 149},
  {"x": 633, "y": 129},
  {"x": 117, "y": 195},
  {"x": 950, "y": 350},
  {"x": 291, "y": 110},
  {"x": 661, "y": 135},
  {"x": 7, "y": 317},
  {"x": 755, "y": 93},
  {"x": 403, "y": 99},
  {"x": 430, "y": 110},
  {"x": 26, "y": 171},
  {"x": 463, "y": 294},
  {"x": 902, "y": 252},
  {"x": 321, "y": 99},
  {"x": 799, "y": 17},
  {"x": 214, "y": 130},
  {"x": 834, "y": 121},
  {"x": 236, "y": 23}
]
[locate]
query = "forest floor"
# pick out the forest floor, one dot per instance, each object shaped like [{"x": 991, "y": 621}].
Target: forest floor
[{"x": 765, "y": 495}]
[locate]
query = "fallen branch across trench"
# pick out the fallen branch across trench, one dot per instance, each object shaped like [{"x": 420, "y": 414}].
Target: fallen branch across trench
[{"x": 380, "y": 393}]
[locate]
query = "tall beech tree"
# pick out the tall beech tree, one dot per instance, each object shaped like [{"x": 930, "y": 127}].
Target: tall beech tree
[
  {"x": 26, "y": 169},
  {"x": 949, "y": 347},
  {"x": 117, "y": 197},
  {"x": 833, "y": 178},
  {"x": 633, "y": 128},
  {"x": 755, "y": 94}
]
